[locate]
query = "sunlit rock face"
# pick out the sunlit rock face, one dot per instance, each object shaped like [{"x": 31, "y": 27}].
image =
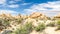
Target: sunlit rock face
[
  {"x": 5, "y": 15},
  {"x": 38, "y": 15}
]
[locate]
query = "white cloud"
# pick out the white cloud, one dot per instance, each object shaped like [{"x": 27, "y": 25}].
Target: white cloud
[
  {"x": 2, "y": 1},
  {"x": 11, "y": 2},
  {"x": 17, "y": 0},
  {"x": 8, "y": 11},
  {"x": 14, "y": 1},
  {"x": 13, "y": 6},
  {"x": 25, "y": 3},
  {"x": 49, "y": 8}
]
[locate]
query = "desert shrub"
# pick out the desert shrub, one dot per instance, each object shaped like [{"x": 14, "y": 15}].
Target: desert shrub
[
  {"x": 52, "y": 24},
  {"x": 21, "y": 31},
  {"x": 28, "y": 26},
  {"x": 58, "y": 25},
  {"x": 58, "y": 22},
  {"x": 24, "y": 29},
  {"x": 19, "y": 20},
  {"x": 40, "y": 27},
  {"x": 2, "y": 23},
  {"x": 49, "y": 18},
  {"x": 6, "y": 22}
]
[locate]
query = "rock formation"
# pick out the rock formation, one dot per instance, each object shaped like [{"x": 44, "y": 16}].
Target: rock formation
[{"x": 38, "y": 15}]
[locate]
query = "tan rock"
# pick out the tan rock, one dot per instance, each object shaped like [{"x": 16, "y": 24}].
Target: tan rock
[{"x": 38, "y": 15}]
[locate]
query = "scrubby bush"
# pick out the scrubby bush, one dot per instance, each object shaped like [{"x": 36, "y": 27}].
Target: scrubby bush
[
  {"x": 3, "y": 24},
  {"x": 52, "y": 24},
  {"x": 58, "y": 22},
  {"x": 58, "y": 25},
  {"x": 28, "y": 26},
  {"x": 24, "y": 29},
  {"x": 19, "y": 20},
  {"x": 40, "y": 27},
  {"x": 6, "y": 22},
  {"x": 21, "y": 31}
]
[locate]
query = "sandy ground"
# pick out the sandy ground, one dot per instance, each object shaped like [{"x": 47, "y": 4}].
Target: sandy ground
[
  {"x": 51, "y": 30},
  {"x": 48, "y": 30}
]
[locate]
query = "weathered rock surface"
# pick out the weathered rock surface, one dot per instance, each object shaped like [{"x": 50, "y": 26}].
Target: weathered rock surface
[{"x": 38, "y": 15}]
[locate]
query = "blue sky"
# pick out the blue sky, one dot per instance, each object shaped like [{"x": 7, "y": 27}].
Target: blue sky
[{"x": 47, "y": 7}]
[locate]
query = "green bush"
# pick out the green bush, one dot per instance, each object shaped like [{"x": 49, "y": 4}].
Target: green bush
[
  {"x": 40, "y": 27},
  {"x": 19, "y": 20},
  {"x": 28, "y": 25},
  {"x": 6, "y": 22},
  {"x": 58, "y": 22},
  {"x": 52, "y": 24},
  {"x": 24, "y": 29},
  {"x": 21, "y": 31},
  {"x": 58, "y": 25}
]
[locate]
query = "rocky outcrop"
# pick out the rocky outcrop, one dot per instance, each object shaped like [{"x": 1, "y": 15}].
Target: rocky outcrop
[{"x": 38, "y": 15}]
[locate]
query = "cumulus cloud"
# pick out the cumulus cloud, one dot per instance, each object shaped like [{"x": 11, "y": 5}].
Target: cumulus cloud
[
  {"x": 13, "y": 6},
  {"x": 25, "y": 3},
  {"x": 14, "y": 1},
  {"x": 2, "y": 1},
  {"x": 17, "y": 0},
  {"x": 11, "y": 2},
  {"x": 47, "y": 8}
]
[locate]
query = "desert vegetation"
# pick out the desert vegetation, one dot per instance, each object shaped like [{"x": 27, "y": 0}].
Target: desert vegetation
[{"x": 26, "y": 24}]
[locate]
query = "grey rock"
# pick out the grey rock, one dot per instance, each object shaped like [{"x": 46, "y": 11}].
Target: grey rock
[{"x": 6, "y": 32}]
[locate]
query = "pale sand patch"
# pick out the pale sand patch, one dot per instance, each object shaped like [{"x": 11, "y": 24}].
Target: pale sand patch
[
  {"x": 34, "y": 32},
  {"x": 51, "y": 30}
]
